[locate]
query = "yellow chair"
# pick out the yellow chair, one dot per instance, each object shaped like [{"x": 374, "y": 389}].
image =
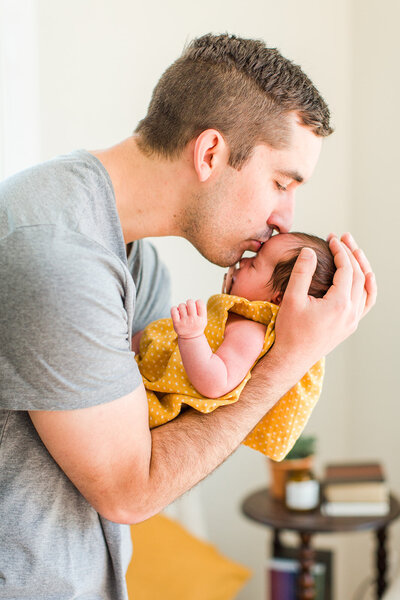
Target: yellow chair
[{"x": 168, "y": 563}]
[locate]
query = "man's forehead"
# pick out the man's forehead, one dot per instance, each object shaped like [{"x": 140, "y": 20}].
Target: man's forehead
[{"x": 298, "y": 160}]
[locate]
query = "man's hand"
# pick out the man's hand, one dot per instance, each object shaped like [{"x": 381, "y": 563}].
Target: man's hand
[
  {"x": 189, "y": 319},
  {"x": 129, "y": 474},
  {"x": 370, "y": 289},
  {"x": 308, "y": 328}
]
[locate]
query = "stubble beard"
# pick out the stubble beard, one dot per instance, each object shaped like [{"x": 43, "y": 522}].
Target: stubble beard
[{"x": 200, "y": 226}]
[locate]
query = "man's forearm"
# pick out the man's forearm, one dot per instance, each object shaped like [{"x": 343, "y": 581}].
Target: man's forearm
[{"x": 187, "y": 449}]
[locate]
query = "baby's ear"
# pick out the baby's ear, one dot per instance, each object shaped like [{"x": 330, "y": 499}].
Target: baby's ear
[{"x": 277, "y": 298}]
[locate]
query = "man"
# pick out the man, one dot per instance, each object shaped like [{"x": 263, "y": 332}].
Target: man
[{"x": 232, "y": 130}]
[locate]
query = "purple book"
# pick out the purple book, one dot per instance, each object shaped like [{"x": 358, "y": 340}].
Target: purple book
[{"x": 282, "y": 579}]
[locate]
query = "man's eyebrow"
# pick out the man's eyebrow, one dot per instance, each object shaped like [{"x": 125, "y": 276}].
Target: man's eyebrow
[{"x": 292, "y": 175}]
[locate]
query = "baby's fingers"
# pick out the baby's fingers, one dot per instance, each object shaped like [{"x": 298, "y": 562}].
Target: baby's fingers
[
  {"x": 182, "y": 310},
  {"x": 191, "y": 308},
  {"x": 201, "y": 308},
  {"x": 175, "y": 316}
]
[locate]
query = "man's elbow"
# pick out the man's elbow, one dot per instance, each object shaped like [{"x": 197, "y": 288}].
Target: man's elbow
[
  {"x": 123, "y": 517},
  {"x": 129, "y": 513}
]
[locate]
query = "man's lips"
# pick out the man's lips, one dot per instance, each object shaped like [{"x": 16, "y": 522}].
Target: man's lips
[
  {"x": 255, "y": 245},
  {"x": 258, "y": 242}
]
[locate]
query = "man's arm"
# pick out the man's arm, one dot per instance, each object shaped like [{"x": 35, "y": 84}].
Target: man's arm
[{"x": 129, "y": 473}]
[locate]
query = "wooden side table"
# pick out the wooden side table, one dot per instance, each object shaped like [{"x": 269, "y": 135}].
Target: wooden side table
[{"x": 263, "y": 508}]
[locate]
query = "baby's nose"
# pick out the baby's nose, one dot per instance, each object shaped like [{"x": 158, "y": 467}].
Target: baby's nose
[{"x": 242, "y": 262}]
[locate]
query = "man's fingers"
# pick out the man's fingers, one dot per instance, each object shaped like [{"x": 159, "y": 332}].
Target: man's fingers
[
  {"x": 350, "y": 242},
  {"x": 358, "y": 294},
  {"x": 372, "y": 291},
  {"x": 330, "y": 236},
  {"x": 301, "y": 275},
  {"x": 343, "y": 277},
  {"x": 370, "y": 285},
  {"x": 362, "y": 260}
]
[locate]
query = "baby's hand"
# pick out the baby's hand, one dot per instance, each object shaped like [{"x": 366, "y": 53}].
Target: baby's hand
[{"x": 189, "y": 319}]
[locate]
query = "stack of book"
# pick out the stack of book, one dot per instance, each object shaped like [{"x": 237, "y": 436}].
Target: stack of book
[
  {"x": 355, "y": 490},
  {"x": 283, "y": 579},
  {"x": 283, "y": 574}
]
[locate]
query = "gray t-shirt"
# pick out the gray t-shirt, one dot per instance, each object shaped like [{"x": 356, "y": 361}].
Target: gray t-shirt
[{"x": 68, "y": 295}]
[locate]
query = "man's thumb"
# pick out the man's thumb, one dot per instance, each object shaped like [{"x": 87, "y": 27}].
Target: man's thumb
[{"x": 301, "y": 276}]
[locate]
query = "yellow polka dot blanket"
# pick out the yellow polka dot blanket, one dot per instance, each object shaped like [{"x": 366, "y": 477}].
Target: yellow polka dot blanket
[{"x": 168, "y": 387}]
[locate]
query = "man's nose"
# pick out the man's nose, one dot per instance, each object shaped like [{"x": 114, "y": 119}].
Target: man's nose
[{"x": 282, "y": 217}]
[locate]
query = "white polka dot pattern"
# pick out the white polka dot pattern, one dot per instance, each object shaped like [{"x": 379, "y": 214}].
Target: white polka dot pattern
[{"x": 168, "y": 387}]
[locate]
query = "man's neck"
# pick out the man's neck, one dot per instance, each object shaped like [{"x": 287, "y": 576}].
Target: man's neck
[{"x": 149, "y": 191}]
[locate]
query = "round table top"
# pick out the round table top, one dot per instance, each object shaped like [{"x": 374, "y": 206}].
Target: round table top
[{"x": 262, "y": 507}]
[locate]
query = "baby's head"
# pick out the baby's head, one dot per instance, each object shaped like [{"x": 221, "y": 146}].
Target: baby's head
[{"x": 265, "y": 276}]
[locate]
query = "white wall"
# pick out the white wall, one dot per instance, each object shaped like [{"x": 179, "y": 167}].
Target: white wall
[
  {"x": 19, "y": 86},
  {"x": 98, "y": 63},
  {"x": 374, "y": 409}
]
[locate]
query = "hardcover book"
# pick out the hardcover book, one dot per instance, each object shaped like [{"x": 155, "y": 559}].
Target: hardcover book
[
  {"x": 351, "y": 472},
  {"x": 355, "y": 489},
  {"x": 283, "y": 579}
]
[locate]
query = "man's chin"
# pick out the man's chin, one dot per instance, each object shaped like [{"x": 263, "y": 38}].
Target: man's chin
[{"x": 223, "y": 260}]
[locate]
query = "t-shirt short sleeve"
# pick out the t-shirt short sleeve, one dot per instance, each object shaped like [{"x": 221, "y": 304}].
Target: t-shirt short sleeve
[
  {"x": 152, "y": 282},
  {"x": 64, "y": 324}
]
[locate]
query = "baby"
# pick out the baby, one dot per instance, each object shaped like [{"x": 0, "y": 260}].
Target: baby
[{"x": 203, "y": 358}]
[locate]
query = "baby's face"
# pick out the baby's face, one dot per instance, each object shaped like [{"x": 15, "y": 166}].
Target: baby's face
[{"x": 250, "y": 279}]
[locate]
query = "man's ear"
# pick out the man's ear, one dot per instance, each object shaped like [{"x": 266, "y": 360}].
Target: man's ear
[{"x": 210, "y": 151}]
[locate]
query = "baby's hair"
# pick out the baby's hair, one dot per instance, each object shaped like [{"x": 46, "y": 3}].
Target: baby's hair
[{"x": 324, "y": 272}]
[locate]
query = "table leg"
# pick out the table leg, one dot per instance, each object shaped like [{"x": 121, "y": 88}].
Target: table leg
[
  {"x": 276, "y": 543},
  {"x": 306, "y": 580},
  {"x": 381, "y": 562}
]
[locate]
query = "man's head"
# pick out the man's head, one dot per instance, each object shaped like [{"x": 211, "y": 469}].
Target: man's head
[
  {"x": 266, "y": 275},
  {"x": 237, "y": 86},
  {"x": 249, "y": 123}
]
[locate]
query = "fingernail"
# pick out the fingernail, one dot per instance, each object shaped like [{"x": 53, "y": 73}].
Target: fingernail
[{"x": 307, "y": 253}]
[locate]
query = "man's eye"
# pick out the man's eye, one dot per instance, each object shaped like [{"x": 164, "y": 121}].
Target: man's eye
[{"x": 280, "y": 187}]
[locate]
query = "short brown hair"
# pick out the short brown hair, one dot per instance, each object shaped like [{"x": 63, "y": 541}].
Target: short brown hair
[
  {"x": 324, "y": 272},
  {"x": 237, "y": 86}
]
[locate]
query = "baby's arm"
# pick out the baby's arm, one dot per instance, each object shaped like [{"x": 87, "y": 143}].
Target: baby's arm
[
  {"x": 135, "y": 345},
  {"x": 215, "y": 374}
]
